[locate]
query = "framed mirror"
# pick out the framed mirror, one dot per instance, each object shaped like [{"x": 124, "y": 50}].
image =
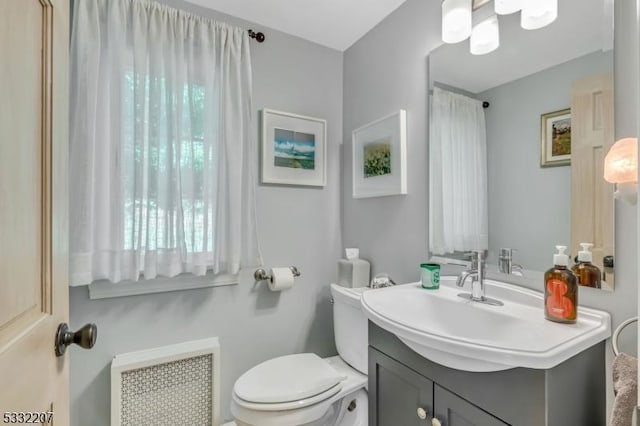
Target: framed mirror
[{"x": 517, "y": 143}]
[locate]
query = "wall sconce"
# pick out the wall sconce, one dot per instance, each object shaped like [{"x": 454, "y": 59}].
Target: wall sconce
[{"x": 621, "y": 169}]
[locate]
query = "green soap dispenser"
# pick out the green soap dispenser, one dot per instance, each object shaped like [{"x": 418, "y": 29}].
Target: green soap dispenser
[
  {"x": 560, "y": 290},
  {"x": 589, "y": 275}
]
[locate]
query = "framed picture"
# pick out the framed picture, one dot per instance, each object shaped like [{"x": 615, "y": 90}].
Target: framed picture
[
  {"x": 380, "y": 157},
  {"x": 556, "y": 138},
  {"x": 294, "y": 149}
]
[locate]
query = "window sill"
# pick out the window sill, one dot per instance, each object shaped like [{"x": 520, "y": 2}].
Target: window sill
[{"x": 104, "y": 289}]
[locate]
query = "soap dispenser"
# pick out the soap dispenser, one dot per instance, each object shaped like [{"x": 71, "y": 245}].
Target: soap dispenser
[
  {"x": 560, "y": 290},
  {"x": 588, "y": 274}
]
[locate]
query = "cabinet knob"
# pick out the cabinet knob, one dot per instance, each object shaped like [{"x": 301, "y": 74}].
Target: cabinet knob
[
  {"x": 422, "y": 413},
  {"x": 435, "y": 422}
]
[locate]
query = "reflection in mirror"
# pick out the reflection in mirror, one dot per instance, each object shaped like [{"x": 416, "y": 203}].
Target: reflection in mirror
[{"x": 517, "y": 144}]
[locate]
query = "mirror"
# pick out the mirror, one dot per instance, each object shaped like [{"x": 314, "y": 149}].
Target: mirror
[{"x": 546, "y": 125}]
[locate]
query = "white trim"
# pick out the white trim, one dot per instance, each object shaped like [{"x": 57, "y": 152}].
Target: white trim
[
  {"x": 162, "y": 355},
  {"x": 104, "y": 289}
]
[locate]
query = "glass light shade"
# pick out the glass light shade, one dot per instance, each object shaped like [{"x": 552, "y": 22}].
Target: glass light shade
[
  {"x": 456, "y": 20},
  {"x": 538, "y": 13},
  {"x": 506, "y": 7},
  {"x": 621, "y": 162},
  {"x": 485, "y": 37}
]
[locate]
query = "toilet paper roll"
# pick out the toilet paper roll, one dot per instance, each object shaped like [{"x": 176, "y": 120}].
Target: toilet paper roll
[{"x": 281, "y": 279}]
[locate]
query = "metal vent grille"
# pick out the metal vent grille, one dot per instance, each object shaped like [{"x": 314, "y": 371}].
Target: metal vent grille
[
  {"x": 170, "y": 386},
  {"x": 175, "y": 393}
]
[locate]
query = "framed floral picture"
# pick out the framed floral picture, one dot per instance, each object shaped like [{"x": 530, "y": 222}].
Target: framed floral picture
[
  {"x": 380, "y": 157},
  {"x": 555, "y": 129},
  {"x": 294, "y": 149}
]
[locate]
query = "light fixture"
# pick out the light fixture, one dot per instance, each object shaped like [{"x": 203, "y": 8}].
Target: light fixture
[
  {"x": 456, "y": 20},
  {"x": 458, "y": 17},
  {"x": 621, "y": 168},
  {"x": 507, "y": 7},
  {"x": 538, "y": 13},
  {"x": 485, "y": 36}
]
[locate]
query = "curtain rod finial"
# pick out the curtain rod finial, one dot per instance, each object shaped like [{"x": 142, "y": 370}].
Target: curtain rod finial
[{"x": 258, "y": 36}]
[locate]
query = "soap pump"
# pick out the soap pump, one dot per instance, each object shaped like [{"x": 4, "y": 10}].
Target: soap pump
[
  {"x": 588, "y": 274},
  {"x": 560, "y": 290}
]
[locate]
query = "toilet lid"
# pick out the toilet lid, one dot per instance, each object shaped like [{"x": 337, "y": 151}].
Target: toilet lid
[{"x": 287, "y": 378}]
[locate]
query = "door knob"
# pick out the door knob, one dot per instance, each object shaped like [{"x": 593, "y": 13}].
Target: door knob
[{"x": 85, "y": 337}]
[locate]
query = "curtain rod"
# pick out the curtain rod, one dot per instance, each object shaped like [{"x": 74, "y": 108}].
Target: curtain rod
[
  {"x": 485, "y": 104},
  {"x": 258, "y": 36}
]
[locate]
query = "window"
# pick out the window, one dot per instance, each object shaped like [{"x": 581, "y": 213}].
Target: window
[
  {"x": 141, "y": 212},
  {"x": 161, "y": 177}
]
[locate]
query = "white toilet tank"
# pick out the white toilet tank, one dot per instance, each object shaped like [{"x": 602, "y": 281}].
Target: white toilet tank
[{"x": 350, "y": 326}]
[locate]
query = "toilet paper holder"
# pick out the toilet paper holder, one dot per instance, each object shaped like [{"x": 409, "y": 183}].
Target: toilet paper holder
[{"x": 262, "y": 274}]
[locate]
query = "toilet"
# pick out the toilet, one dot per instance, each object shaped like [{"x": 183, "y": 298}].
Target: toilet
[{"x": 306, "y": 390}]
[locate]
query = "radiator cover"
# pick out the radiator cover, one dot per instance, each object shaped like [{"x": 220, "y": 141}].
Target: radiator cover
[{"x": 175, "y": 385}]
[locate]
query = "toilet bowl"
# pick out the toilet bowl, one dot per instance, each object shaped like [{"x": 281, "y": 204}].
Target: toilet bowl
[{"x": 306, "y": 390}]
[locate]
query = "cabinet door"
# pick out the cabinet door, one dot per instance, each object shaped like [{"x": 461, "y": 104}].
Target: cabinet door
[
  {"x": 397, "y": 394},
  {"x": 451, "y": 410}
]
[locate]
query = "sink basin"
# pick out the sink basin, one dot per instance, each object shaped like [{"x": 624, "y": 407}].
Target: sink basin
[{"x": 470, "y": 336}]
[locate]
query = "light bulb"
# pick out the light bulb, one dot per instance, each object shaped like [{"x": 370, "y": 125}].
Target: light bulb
[
  {"x": 485, "y": 37},
  {"x": 538, "y": 13},
  {"x": 456, "y": 20},
  {"x": 506, "y": 7}
]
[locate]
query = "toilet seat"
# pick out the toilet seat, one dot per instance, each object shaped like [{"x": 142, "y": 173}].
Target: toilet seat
[
  {"x": 247, "y": 413},
  {"x": 287, "y": 381},
  {"x": 290, "y": 405}
]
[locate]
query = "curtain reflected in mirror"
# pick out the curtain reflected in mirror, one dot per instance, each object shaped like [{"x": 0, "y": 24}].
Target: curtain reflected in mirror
[{"x": 458, "y": 174}]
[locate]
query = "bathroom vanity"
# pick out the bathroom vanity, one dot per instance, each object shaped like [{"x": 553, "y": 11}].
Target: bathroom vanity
[
  {"x": 407, "y": 389},
  {"x": 436, "y": 358}
]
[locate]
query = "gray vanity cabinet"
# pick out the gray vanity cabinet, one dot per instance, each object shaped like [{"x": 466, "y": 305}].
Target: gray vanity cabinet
[
  {"x": 402, "y": 397},
  {"x": 406, "y": 389},
  {"x": 451, "y": 410}
]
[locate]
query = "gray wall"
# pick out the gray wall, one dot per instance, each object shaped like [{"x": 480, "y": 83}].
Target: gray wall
[
  {"x": 297, "y": 226},
  {"x": 385, "y": 71},
  {"x": 530, "y": 206}
]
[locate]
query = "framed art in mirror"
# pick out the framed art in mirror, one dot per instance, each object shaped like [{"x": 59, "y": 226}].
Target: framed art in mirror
[
  {"x": 380, "y": 157},
  {"x": 294, "y": 149},
  {"x": 555, "y": 133}
]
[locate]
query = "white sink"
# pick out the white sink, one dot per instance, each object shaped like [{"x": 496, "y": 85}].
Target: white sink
[{"x": 470, "y": 336}]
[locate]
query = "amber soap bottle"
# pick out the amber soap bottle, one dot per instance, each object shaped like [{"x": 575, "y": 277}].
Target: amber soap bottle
[
  {"x": 561, "y": 290},
  {"x": 588, "y": 274}
]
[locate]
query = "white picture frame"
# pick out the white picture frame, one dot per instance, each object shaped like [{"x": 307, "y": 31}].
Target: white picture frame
[
  {"x": 379, "y": 157},
  {"x": 293, "y": 149}
]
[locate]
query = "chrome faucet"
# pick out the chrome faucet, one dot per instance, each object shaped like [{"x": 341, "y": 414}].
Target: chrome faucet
[
  {"x": 477, "y": 273},
  {"x": 505, "y": 262}
]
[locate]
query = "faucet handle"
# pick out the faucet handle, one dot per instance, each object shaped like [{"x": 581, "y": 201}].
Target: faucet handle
[
  {"x": 506, "y": 253},
  {"x": 476, "y": 257}
]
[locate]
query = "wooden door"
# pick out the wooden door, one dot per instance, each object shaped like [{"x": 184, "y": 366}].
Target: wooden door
[
  {"x": 592, "y": 134},
  {"x": 33, "y": 208}
]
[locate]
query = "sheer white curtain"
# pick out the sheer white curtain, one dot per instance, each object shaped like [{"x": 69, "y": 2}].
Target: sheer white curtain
[
  {"x": 458, "y": 206},
  {"x": 161, "y": 161}
]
